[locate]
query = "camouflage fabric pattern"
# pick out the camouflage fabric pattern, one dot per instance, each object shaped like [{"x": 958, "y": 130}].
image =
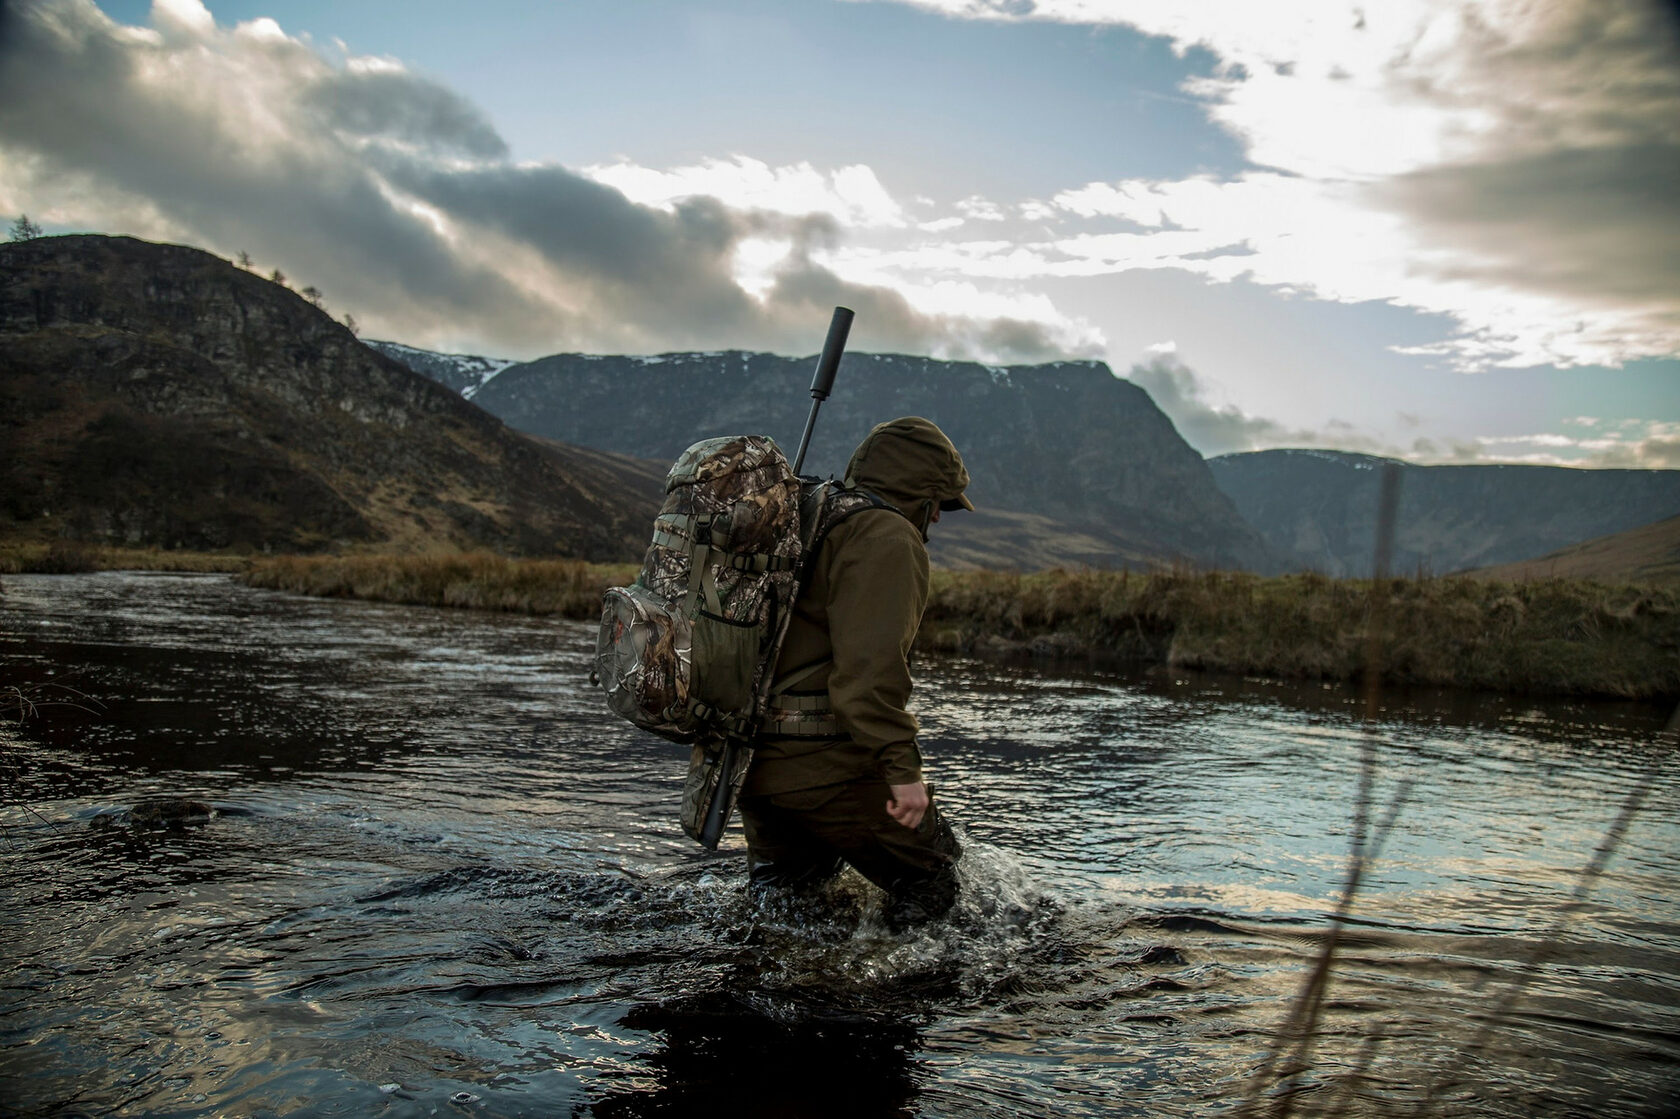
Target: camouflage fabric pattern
[
  {"x": 644, "y": 661},
  {"x": 705, "y": 770},
  {"x": 745, "y": 485},
  {"x": 662, "y": 649}
]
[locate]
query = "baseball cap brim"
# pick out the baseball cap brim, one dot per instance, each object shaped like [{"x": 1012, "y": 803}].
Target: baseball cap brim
[{"x": 952, "y": 504}]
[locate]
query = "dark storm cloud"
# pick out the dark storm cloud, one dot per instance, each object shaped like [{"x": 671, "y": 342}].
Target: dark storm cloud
[
  {"x": 397, "y": 198},
  {"x": 1576, "y": 221},
  {"x": 889, "y": 323},
  {"x": 666, "y": 271},
  {"x": 1572, "y": 194},
  {"x": 391, "y": 105},
  {"x": 82, "y": 101}
]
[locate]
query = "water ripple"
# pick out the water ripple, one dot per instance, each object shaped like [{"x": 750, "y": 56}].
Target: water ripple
[{"x": 425, "y": 873}]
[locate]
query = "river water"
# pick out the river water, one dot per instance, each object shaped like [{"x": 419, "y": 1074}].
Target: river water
[{"x": 440, "y": 879}]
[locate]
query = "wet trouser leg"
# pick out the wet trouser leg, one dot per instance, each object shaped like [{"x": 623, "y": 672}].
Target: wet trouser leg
[{"x": 798, "y": 840}]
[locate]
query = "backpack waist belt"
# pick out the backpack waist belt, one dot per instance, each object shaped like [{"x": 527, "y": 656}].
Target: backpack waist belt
[
  {"x": 790, "y": 714},
  {"x": 799, "y": 716}
]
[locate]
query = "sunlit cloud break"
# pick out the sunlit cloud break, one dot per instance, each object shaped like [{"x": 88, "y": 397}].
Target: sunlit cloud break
[
  {"x": 850, "y": 195},
  {"x": 398, "y": 198},
  {"x": 1506, "y": 163}
]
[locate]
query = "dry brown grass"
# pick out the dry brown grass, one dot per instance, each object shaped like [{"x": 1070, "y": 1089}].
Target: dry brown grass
[
  {"x": 476, "y": 580},
  {"x": 68, "y": 557},
  {"x": 1555, "y": 636}
]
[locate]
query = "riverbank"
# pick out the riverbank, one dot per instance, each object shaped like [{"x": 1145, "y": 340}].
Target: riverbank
[
  {"x": 1554, "y": 636},
  {"x": 474, "y": 580},
  {"x": 62, "y": 557},
  {"x": 1544, "y": 636}
]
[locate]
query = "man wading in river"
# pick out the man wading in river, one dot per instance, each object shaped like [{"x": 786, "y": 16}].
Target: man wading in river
[{"x": 836, "y": 776}]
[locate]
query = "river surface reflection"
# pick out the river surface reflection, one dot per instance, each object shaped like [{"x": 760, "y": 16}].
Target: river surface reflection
[{"x": 439, "y": 877}]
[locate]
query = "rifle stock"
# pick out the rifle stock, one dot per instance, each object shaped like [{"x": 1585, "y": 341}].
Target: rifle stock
[{"x": 717, "y": 812}]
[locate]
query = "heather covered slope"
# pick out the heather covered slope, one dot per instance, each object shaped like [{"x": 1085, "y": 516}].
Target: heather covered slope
[
  {"x": 1647, "y": 554},
  {"x": 1074, "y": 465},
  {"x": 156, "y": 395}
]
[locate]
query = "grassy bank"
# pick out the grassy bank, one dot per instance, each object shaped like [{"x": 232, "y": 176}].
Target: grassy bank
[
  {"x": 477, "y": 580},
  {"x": 61, "y": 557},
  {"x": 1569, "y": 637}
]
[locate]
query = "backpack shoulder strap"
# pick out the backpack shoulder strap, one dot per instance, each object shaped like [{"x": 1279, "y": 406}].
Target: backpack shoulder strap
[
  {"x": 822, "y": 506},
  {"x": 826, "y": 504}
]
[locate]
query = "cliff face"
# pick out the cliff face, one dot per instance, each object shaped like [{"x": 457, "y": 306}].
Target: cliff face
[
  {"x": 1320, "y": 508},
  {"x": 157, "y": 395},
  {"x": 1069, "y": 463}
]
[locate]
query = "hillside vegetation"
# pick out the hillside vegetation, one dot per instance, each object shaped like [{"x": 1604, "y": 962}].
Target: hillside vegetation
[
  {"x": 1555, "y": 636},
  {"x": 158, "y": 397},
  {"x": 1648, "y": 554},
  {"x": 69, "y": 557},
  {"x": 476, "y": 580}
]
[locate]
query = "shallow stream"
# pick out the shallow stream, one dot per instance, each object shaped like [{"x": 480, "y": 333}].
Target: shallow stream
[{"x": 436, "y": 877}]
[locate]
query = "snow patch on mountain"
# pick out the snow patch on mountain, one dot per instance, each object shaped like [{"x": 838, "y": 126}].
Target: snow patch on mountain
[{"x": 465, "y": 373}]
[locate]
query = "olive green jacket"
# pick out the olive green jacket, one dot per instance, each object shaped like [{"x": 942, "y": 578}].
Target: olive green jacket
[
  {"x": 858, "y": 613},
  {"x": 860, "y": 608}
]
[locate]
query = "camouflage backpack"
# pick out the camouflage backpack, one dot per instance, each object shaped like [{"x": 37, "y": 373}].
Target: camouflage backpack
[
  {"x": 681, "y": 649},
  {"x": 687, "y": 651}
]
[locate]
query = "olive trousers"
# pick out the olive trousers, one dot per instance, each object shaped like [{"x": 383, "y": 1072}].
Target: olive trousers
[{"x": 798, "y": 841}]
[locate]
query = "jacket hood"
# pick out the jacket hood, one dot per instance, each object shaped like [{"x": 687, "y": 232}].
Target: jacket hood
[{"x": 912, "y": 464}]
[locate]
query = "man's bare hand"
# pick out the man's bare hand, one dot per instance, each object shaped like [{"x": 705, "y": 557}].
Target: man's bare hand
[{"x": 909, "y": 804}]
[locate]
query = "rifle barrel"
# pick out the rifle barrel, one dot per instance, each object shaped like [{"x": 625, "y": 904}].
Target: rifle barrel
[
  {"x": 717, "y": 812},
  {"x": 823, "y": 382}
]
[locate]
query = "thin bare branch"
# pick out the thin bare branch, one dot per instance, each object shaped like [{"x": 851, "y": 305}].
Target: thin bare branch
[
  {"x": 1300, "y": 1028},
  {"x": 1529, "y": 968}
]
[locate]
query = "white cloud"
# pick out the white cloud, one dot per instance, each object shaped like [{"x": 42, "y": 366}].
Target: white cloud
[
  {"x": 980, "y": 209},
  {"x": 1327, "y": 239},
  {"x": 757, "y": 261},
  {"x": 182, "y": 18},
  {"x": 1631, "y": 445},
  {"x": 1507, "y": 163},
  {"x": 396, "y": 196},
  {"x": 1213, "y": 428},
  {"x": 851, "y": 195},
  {"x": 261, "y": 30}
]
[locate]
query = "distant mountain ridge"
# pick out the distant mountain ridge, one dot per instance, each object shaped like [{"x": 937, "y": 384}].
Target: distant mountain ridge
[
  {"x": 465, "y": 373},
  {"x": 156, "y": 395},
  {"x": 1070, "y": 464},
  {"x": 1319, "y": 508}
]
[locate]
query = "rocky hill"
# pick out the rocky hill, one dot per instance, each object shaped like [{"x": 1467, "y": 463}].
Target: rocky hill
[
  {"x": 155, "y": 395},
  {"x": 1319, "y": 508},
  {"x": 1071, "y": 465}
]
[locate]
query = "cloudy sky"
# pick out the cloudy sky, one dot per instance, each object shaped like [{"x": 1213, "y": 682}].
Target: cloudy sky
[{"x": 1440, "y": 229}]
